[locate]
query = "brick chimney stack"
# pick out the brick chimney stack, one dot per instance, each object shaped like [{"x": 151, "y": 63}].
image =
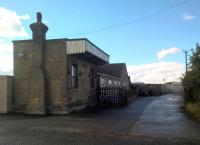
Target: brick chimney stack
[
  {"x": 39, "y": 29},
  {"x": 37, "y": 73}
]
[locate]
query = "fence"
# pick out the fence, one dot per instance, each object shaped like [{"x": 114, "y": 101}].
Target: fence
[{"x": 112, "y": 96}]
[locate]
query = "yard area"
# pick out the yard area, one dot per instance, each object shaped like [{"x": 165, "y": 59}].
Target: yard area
[{"x": 145, "y": 121}]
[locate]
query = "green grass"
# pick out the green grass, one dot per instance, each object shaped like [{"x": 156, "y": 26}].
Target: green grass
[{"x": 193, "y": 109}]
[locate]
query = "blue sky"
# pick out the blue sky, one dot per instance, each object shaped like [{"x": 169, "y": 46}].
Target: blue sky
[{"x": 137, "y": 44}]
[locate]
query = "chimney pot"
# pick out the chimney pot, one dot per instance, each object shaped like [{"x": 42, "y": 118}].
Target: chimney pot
[
  {"x": 39, "y": 17},
  {"x": 39, "y": 29}
]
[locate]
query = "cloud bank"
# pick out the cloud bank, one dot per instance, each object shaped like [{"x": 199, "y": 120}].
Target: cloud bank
[
  {"x": 156, "y": 72},
  {"x": 11, "y": 25},
  {"x": 6, "y": 58},
  {"x": 164, "y": 52}
]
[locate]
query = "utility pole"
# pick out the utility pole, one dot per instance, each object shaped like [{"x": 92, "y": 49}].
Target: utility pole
[{"x": 186, "y": 54}]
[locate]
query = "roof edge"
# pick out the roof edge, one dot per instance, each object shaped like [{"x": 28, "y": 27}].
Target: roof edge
[{"x": 74, "y": 39}]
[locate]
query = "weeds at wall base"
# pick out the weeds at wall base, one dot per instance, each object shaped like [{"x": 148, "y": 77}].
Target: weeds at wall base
[{"x": 193, "y": 110}]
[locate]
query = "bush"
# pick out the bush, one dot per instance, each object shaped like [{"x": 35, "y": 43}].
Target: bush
[{"x": 191, "y": 85}]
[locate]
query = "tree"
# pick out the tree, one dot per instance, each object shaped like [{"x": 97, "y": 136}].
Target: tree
[{"x": 191, "y": 80}]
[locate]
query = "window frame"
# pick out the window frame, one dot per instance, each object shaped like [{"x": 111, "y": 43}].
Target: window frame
[
  {"x": 74, "y": 76},
  {"x": 92, "y": 78}
]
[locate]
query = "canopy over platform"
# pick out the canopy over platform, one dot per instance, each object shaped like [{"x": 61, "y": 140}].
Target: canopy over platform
[{"x": 86, "y": 49}]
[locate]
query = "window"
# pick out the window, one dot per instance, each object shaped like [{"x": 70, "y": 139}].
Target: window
[
  {"x": 92, "y": 80},
  {"x": 102, "y": 82},
  {"x": 110, "y": 82},
  {"x": 74, "y": 76}
]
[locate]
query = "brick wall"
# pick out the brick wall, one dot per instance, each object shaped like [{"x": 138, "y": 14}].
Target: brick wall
[
  {"x": 56, "y": 76},
  {"x": 5, "y": 93},
  {"x": 29, "y": 92},
  {"x": 39, "y": 90},
  {"x": 83, "y": 95}
]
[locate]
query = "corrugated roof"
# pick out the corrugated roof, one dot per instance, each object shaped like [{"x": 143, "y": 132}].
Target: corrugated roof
[
  {"x": 82, "y": 46},
  {"x": 114, "y": 69}
]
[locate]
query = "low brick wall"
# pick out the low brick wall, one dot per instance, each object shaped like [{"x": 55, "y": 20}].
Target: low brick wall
[{"x": 6, "y": 93}]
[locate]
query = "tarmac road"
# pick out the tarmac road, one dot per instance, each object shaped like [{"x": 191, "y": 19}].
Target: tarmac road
[{"x": 145, "y": 121}]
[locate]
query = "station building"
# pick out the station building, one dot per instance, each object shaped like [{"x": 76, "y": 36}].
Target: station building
[{"x": 59, "y": 76}]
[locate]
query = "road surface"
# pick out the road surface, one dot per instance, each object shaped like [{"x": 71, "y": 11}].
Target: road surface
[{"x": 145, "y": 121}]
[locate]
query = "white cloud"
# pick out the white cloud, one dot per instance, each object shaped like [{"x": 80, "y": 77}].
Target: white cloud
[
  {"x": 25, "y": 17},
  {"x": 6, "y": 64},
  {"x": 11, "y": 25},
  {"x": 187, "y": 16},
  {"x": 5, "y": 47},
  {"x": 164, "y": 52},
  {"x": 6, "y": 59},
  {"x": 156, "y": 72}
]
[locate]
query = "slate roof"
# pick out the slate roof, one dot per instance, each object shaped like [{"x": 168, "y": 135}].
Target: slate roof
[{"x": 114, "y": 69}]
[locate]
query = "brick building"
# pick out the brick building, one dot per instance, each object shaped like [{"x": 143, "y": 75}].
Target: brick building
[
  {"x": 56, "y": 76},
  {"x": 113, "y": 75}
]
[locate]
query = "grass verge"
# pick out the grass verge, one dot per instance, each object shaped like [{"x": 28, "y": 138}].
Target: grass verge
[{"x": 193, "y": 109}]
